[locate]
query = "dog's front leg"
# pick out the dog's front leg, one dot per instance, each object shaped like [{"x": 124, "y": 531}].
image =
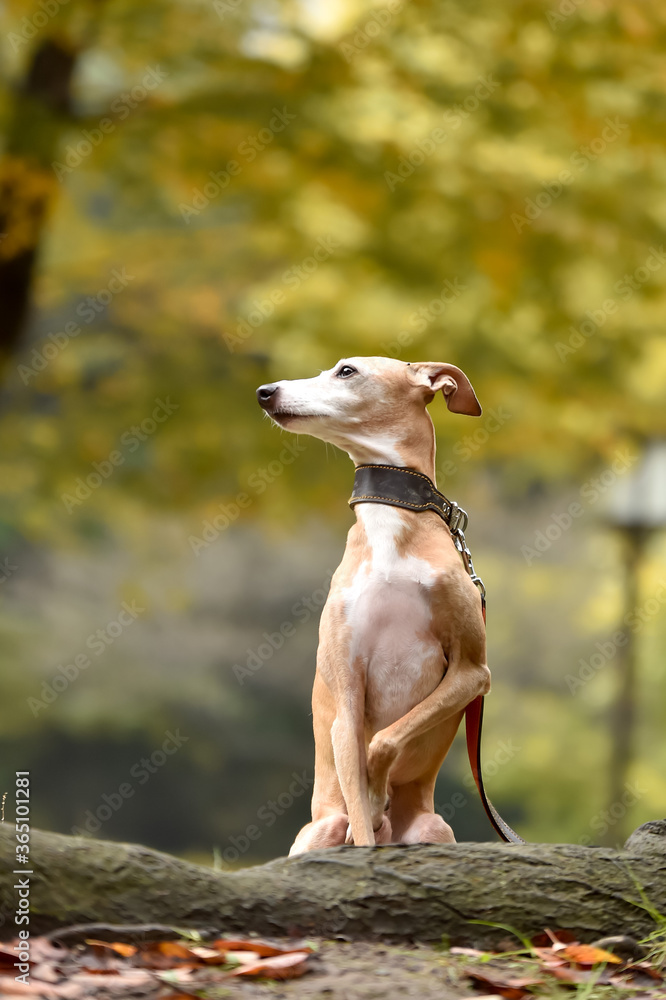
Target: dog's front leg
[
  {"x": 348, "y": 739},
  {"x": 341, "y": 684},
  {"x": 464, "y": 680}
]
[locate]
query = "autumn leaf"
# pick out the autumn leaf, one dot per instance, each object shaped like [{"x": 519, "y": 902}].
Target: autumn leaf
[
  {"x": 558, "y": 937},
  {"x": 287, "y": 966},
  {"x": 569, "y": 974},
  {"x": 507, "y": 985},
  {"x": 587, "y": 954},
  {"x": 263, "y": 948},
  {"x": 125, "y": 950}
]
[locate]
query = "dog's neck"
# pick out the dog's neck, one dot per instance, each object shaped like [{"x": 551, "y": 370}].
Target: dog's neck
[{"x": 413, "y": 450}]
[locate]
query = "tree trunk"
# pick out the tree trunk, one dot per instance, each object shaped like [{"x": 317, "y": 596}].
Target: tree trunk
[
  {"x": 410, "y": 893},
  {"x": 623, "y": 712},
  {"x": 27, "y": 181}
]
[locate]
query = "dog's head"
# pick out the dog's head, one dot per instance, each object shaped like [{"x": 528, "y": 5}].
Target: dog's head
[{"x": 368, "y": 406}]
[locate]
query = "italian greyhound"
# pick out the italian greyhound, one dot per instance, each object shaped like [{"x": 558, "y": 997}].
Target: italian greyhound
[{"x": 402, "y": 647}]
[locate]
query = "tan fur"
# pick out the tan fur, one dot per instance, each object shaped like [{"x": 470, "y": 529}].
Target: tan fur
[{"x": 401, "y": 639}]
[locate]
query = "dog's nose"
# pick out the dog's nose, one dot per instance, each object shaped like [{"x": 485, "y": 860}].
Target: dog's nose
[{"x": 264, "y": 393}]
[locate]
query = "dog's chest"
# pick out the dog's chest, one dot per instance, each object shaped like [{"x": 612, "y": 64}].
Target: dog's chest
[{"x": 388, "y": 611}]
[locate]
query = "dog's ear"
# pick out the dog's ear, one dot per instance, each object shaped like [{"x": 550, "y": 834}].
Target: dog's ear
[{"x": 457, "y": 388}]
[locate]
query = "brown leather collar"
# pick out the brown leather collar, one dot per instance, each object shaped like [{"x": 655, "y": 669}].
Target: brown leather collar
[{"x": 407, "y": 488}]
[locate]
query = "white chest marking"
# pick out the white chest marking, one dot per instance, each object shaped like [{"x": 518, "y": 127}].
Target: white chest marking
[
  {"x": 390, "y": 620},
  {"x": 383, "y": 526}
]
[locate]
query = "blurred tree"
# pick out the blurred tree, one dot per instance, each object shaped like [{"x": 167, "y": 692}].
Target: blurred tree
[{"x": 27, "y": 183}]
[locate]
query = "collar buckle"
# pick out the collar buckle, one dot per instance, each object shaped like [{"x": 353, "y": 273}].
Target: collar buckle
[{"x": 457, "y": 519}]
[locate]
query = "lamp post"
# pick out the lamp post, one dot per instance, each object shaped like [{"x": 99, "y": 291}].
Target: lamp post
[{"x": 636, "y": 509}]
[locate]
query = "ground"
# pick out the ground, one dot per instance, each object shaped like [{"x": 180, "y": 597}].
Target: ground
[
  {"x": 551, "y": 967},
  {"x": 363, "y": 971}
]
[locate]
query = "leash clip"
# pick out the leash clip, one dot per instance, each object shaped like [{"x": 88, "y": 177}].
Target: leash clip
[{"x": 460, "y": 543}]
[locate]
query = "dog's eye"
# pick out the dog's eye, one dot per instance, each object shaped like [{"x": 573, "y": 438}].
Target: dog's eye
[{"x": 345, "y": 371}]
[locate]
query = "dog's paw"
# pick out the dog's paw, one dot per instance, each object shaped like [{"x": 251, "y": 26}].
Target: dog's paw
[
  {"x": 384, "y": 834},
  {"x": 379, "y": 804}
]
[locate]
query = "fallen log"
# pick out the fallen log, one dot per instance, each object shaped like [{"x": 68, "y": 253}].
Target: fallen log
[{"x": 395, "y": 892}]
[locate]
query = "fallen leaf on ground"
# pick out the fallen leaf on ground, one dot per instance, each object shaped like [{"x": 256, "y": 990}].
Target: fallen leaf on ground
[
  {"x": 182, "y": 975},
  {"x": 45, "y": 973},
  {"x": 587, "y": 954},
  {"x": 263, "y": 948},
  {"x": 277, "y": 967},
  {"x": 211, "y": 956},
  {"x": 549, "y": 957},
  {"x": 126, "y": 950},
  {"x": 506, "y": 985},
  {"x": 469, "y": 952},
  {"x": 99, "y": 972},
  {"x": 569, "y": 974},
  {"x": 164, "y": 955},
  {"x": 240, "y": 957},
  {"x": 558, "y": 937},
  {"x": 7, "y": 959},
  {"x": 170, "y": 949},
  {"x": 641, "y": 973}
]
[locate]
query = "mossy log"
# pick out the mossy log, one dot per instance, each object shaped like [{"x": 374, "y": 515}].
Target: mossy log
[{"x": 395, "y": 892}]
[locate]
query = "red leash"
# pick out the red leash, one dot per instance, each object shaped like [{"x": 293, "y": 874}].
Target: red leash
[
  {"x": 474, "y": 718},
  {"x": 473, "y": 724}
]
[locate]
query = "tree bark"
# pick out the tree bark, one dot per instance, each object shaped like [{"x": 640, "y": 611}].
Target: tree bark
[{"x": 409, "y": 893}]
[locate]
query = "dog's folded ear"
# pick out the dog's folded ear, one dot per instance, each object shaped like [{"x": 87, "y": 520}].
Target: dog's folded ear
[{"x": 457, "y": 388}]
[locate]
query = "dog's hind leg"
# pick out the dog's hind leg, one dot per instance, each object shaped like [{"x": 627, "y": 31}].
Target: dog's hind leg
[
  {"x": 327, "y": 832},
  {"x": 413, "y": 815}
]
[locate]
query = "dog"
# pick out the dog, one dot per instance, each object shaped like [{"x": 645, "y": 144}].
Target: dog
[{"x": 402, "y": 648}]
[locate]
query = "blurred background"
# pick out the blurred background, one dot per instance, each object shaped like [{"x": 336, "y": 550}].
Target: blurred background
[{"x": 198, "y": 196}]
